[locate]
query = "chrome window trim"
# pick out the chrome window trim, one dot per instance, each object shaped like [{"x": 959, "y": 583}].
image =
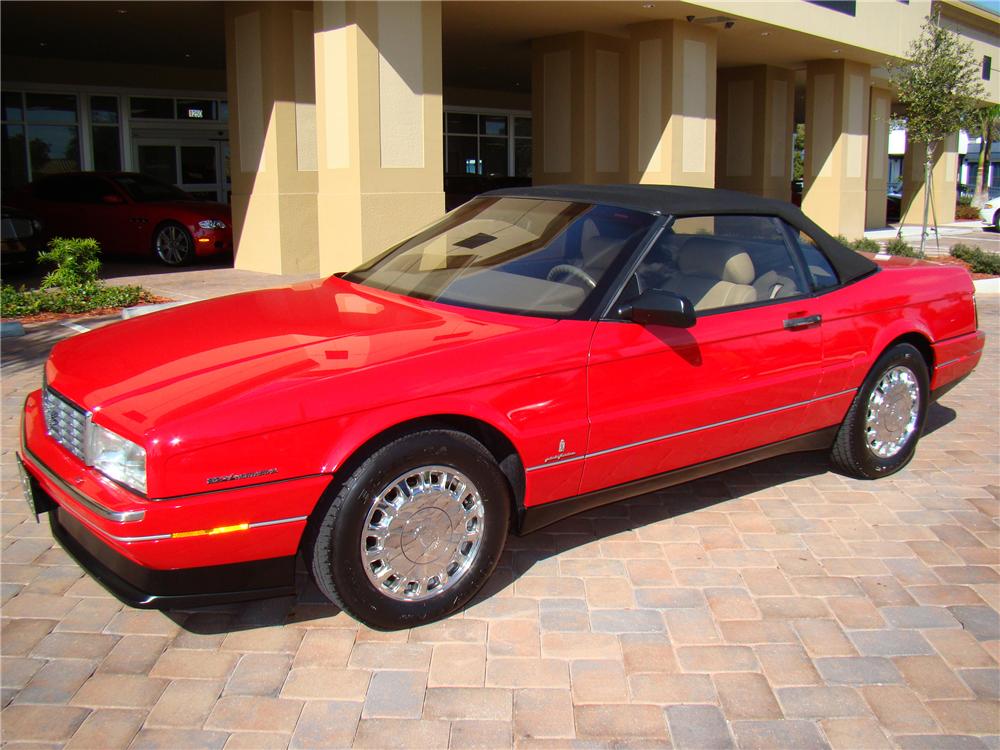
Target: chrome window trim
[{"x": 691, "y": 430}]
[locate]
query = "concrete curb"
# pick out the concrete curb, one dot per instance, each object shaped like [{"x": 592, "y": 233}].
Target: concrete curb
[
  {"x": 987, "y": 286},
  {"x": 914, "y": 233},
  {"x": 10, "y": 328},
  {"x": 135, "y": 312}
]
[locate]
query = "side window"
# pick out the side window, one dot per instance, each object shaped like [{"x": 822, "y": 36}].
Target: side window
[
  {"x": 721, "y": 262},
  {"x": 88, "y": 189},
  {"x": 820, "y": 271},
  {"x": 56, "y": 189}
]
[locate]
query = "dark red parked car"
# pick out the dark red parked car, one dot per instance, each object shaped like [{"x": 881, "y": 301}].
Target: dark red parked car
[{"x": 129, "y": 214}]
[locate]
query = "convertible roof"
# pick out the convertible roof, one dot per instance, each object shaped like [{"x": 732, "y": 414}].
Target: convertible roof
[{"x": 693, "y": 201}]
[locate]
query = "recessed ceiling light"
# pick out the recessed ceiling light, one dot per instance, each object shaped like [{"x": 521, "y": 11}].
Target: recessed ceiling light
[
  {"x": 187, "y": 55},
  {"x": 765, "y": 33},
  {"x": 836, "y": 51},
  {"x": 121, "y": 11},
  {"x": 43, "y": 44},
  {"x": 647, "y": 6}
]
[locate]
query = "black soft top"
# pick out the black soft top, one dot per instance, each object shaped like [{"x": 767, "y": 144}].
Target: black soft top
[{"x": 693, "y": 201}]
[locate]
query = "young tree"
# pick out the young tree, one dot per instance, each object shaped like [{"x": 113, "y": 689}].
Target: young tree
[
  {"x": 939, "y": 86},
  {"x": 986, "y": 125}
]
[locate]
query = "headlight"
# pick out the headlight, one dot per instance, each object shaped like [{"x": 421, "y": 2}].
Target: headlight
[
  {"x": 116, "y": 457},
  {"x": 212, "y": 224},
  {"x": 988, "y": 205}
]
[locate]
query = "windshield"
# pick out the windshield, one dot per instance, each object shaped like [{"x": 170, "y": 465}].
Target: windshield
[
  {"x": 144, "y": 189},
  {"x": 518, "y": 255}
]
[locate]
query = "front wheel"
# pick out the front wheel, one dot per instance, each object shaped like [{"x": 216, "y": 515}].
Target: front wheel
[
  {"x": 879, "y": 435},
  {"x": 414, "y": 532},
  {"x": 173, "y": 245}
]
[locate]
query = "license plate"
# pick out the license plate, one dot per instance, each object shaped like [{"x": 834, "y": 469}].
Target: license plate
[{"x": 27, "y": 484}]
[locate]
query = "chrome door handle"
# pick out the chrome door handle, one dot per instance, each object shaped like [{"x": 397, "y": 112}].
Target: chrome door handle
[{"x": 804, "y": 322}]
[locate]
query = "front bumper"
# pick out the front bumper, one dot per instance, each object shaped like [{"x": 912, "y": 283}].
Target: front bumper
[
  {"x": 212, "y": 241},
  {"x": 148, "y": 588},
  {"x": 220, "y": 545}
]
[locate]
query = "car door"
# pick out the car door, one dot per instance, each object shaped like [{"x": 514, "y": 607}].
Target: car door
[{"x": 663, "y": 398}]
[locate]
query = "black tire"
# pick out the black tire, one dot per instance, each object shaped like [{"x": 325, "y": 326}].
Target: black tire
[
  {"x": 852, "y": 453},
  {"x": 173, "y": 244},
  {"x": 334, "y": 539}
]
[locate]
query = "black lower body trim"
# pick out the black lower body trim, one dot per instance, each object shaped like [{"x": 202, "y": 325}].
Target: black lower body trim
[
  {"x": 539, "y": 516},
  {"x": 147, "y": 588}
]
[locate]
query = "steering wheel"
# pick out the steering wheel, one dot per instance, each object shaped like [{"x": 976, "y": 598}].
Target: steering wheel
[{"x": 565, "y": 269}]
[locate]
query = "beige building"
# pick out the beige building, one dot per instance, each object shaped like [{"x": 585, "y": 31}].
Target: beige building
[{"x": 337, "y": 128}]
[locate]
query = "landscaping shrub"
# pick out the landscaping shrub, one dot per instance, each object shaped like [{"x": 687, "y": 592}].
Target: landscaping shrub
[
  {"x": 899, "y": 246},
  {"x": 978, "y": 259},
  {"x": 72, "y": 286},
  {"x": 965, "y": 211},
  {"x": 865, "y": 245}
]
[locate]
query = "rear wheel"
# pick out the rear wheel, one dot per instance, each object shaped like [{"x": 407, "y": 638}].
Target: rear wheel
[
  {"x": 414, "y": 532},
  {"x": 173, "y": 244},
  {"x": 880, "y": 432}
]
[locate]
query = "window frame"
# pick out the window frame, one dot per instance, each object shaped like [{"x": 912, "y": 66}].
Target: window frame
[{"x": 511, "y": 138}]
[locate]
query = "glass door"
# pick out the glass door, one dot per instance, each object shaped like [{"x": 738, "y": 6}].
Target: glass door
[{"x": 194, "y": 166}]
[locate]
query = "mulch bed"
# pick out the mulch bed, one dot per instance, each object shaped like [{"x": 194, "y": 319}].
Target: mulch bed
[
  {"x": 100, "y": 312},
  {"x": 948, "y": 260}
]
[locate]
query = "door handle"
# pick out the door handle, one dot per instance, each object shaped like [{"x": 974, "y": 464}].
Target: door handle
[{"x": 804, "y": 322}]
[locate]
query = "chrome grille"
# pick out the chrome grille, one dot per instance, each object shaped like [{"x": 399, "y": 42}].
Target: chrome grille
[{"x": 65, "y": 421}]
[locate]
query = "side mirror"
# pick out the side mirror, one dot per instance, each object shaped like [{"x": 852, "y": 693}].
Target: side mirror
[
  {"x": 112, "y": 199},
  {"x": 656, "y": 307}
]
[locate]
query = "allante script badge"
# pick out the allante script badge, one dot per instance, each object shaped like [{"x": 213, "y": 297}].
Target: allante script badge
[{"x": 235, "y": 477}]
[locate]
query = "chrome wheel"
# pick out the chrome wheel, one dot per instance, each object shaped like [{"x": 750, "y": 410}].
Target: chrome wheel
[
  {"x": 893, "y": 409},
  {"x": 423, "y": 533},
  {"x": 173, "y": 245}
]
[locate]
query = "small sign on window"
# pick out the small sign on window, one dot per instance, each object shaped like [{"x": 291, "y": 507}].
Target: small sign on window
[{"x": 196, "y": 114}]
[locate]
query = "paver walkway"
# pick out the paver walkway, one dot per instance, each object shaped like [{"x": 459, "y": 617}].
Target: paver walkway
[{"x": 775, "y": 606}]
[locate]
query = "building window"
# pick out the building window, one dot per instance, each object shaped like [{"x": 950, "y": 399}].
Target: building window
[
  {"x": 848, "y": 7},
  {"x": 987, "y": 66},
  {"x": 104, "y": 133},
  {"x": 41, "y": 136},
  {"x": 487, "y": 144}
]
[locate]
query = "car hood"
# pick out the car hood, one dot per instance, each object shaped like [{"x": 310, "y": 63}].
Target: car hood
[{"x": 259, "y": 347}]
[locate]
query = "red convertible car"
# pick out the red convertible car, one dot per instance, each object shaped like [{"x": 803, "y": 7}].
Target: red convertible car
[
  {"x": 130, "y": 214},
  {"x": 535, "y": 353}
]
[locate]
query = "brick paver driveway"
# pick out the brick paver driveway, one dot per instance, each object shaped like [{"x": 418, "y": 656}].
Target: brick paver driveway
[{"x": 779, "y": 605}]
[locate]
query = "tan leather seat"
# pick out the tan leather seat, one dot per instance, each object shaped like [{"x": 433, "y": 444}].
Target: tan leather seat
[{"x": 713, "y": 273}]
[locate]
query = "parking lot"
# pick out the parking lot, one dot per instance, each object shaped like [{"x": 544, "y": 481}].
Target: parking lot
[{"x": 775, "y": 606}]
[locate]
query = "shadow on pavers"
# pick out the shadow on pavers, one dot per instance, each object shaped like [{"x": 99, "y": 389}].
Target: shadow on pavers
[{"x": 521, "y": 554}]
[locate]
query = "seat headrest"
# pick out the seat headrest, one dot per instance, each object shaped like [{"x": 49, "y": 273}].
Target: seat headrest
[{"x": 716, "y": 259}]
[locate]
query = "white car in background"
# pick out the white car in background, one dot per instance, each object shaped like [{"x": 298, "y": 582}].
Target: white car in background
[{"x": 990, "y": 213}]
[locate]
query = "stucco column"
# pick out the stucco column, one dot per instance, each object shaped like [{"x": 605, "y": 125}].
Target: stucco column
[
  {"x": 836, "y": 170},
  {"x": 579, "y": 103},
  {"x": 944, "y": 173},
  {"x": 671, "y": 120},
  {"x": 379, "y": 134},
  {"x": 272, "y": 106},
  {"x": 756, "y": 118},
  {"x": 878, "y": 156}
]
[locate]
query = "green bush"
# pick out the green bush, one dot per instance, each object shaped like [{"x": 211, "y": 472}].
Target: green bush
[
  {"x": 72, "y": 287},
  {"x": 862, "y": 245},
  {"x": 77, "y": 262},
  {"x": 865, "y": 245},
  {"x": 899, "y": 246},
  {"x": 979, "y": 260}
]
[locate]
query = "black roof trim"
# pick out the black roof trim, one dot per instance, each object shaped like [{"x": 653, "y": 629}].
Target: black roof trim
[{"x": 676, "y": 200}]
